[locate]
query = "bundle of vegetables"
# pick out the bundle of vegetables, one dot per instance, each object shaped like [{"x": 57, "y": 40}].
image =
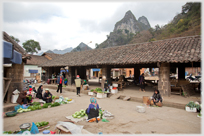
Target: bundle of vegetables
[
  {"x": 23, "y": 110},
  {"x": 45, "y": 105},
  {"x": 35, "y": 107},
  {"x": 41, "y": 124},
  {"x": 79, "y": 114},
  {"x": 92, "y": 90},
  {"x": 98, "y": 89},
  {"x": 7, "y": 132},
  {"x": 53, "y": 97},
  {"x": 29, "y": 97},
  {"x": 55, "y": 104},
  {"x": 101, "y": 113}
]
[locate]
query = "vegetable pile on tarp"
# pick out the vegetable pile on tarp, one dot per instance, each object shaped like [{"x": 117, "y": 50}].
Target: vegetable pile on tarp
[
  {"x": 45, "y": 105},
  {"x": 98, "y": 90},
  {"x": 23, "y": 110},
  {"x": 55, "y": 104},
  {"x": 41, "y": 124},
  {"x": 79, "y": 114}
]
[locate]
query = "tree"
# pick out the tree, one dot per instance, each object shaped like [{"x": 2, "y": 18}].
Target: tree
[
  {"x": 126, "y": 31},
  {"x": 15, "y": 39},
  {"x": 31, "y": 46},
  {"x": 96, "y": 45}
]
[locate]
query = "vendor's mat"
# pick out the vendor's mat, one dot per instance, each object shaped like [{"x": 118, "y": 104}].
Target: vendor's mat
[{"x": 76, "y": 119}]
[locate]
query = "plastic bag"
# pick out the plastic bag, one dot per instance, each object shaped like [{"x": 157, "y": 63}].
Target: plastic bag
[
  {"x": 34, "y": 129},
  {"x": 16, "y": 92},
  {"x": 23, "y": 106},
  {"x": 74, "y": 129}
]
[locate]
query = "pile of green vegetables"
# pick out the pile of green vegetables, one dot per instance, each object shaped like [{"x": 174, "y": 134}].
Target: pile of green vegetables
[
  {"x": 45, "y": 105},
  {"x": 101, "y": 113},
  {"x": 98, "y": 90},
  {"x": 7, "y": 132},
  {"x": 192, "y": 105},
  {"x": 79, "y": 114},
  {"x": 41, "y": 124},
  {"x": 55, "y": 104},
  {"x": 20, "y": 110},
  {"x": 92, "y": 90},
  {"x": 35, "y": 107}
]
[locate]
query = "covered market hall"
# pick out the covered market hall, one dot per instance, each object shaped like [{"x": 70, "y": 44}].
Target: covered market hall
[{"x": 165, "y": 54}]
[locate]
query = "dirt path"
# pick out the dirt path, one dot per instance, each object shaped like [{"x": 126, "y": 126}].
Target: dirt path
[{"x": 164, "y": 120}]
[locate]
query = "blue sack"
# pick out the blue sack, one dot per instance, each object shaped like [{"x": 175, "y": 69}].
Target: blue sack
[
  {"x": 17, "y": 107},
  {"x": 34, "y": 129}
]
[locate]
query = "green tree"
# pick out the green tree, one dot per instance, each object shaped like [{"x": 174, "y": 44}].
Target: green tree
[
  {"x": 31, "y": 46},
  {"x": 96, "y": 45},
  {"x": 15, "y": 39},
  {"x": 126, "y": 31}
]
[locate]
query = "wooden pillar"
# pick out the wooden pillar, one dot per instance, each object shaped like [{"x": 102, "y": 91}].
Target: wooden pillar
[
  {"x": 181, "y": 72},
  {"x": 164, "y": 80},
  {"x": 71, "y": 75},
  {"x": 106, "y": 71},
  {"x": 136, "y": 73}
]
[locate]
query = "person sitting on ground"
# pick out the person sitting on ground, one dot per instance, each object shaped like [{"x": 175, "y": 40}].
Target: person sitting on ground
[
  {"x": 93, "y": 111},
  {"x": 39, "y": 92},
  {"x": 30, "y": 89},
  {"x": 157, "y": 98},
  {"x": 23, "y": 97},
  {"x": 47, "y": 97}
]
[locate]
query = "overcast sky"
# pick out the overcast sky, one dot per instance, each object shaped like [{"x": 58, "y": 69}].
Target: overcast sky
[{"x": 59, "y": 25}]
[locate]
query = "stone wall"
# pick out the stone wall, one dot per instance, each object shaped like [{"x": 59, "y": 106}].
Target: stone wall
[{"x": 164, "y": 81}]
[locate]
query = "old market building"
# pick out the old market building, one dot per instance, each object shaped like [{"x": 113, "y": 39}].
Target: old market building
[{"x": 165, "y": 54}]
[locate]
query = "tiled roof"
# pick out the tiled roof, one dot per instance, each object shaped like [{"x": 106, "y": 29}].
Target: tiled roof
[
  {"x": 36, "y": 60},
  {"x": 16, "y": 46},
  {"x": 175, "y": 50}
]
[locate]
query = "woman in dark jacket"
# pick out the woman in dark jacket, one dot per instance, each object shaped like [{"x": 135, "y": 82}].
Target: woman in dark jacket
[
  {"x": 47, "y": 96},
  {"x": 39, "y": 92},
  {"x": 93, "y": 111},
  {"x": 156, "y": 97}
]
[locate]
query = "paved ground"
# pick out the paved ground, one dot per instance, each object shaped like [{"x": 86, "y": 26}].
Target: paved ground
[{"x": 127, "y": 120}]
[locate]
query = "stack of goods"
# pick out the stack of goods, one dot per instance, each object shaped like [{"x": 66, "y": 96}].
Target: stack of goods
[{"x": 114, "y": 89}]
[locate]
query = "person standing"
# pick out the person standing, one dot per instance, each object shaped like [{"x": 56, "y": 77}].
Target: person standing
[
  {"x": 78, "y": 84},
  {"x": 142, "y": 85},
  {"x": 59, "y": 81}
]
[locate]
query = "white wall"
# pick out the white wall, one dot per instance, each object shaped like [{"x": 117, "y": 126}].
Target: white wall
[{"x": 33, "y": 67}]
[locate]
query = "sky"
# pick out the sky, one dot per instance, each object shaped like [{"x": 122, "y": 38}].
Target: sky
[{"x": 60, "y": 25}]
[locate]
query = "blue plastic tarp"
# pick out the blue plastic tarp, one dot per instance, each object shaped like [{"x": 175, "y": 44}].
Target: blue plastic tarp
[
  {"x": 10, "y": 55},
  {"x": 17, "y": 57},
  {"x": 95, "y": 69},
  {"x": 33, "y": 71},
  {"x": 7, "y": 50}
]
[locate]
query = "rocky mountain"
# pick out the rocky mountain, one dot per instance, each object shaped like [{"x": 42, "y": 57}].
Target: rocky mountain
[
  {"x": 125, "y": 29},
  {"x": 56, "y": 51},
  {"x": 81, "y": 47},
  {"x": 186, "y": 23},
  {"x": 62, "y": 51}
]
